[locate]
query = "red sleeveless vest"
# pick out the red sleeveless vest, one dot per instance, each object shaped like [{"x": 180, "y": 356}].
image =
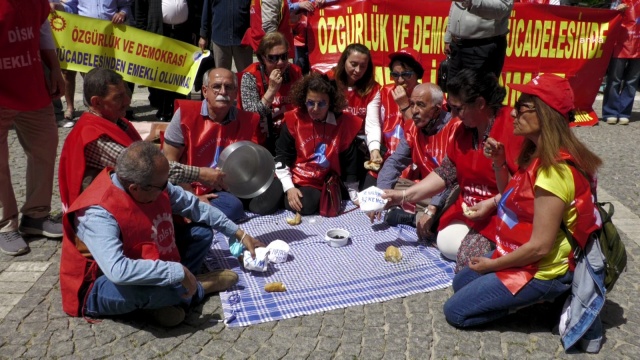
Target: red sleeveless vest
[
  {"x": 205, "y": 139},
  {"x": 357, "y": 104},
  {"x": 515, "y": 219},
  {"x": 281, "y": 103},
  {"x": 146, "y": 231},
  {"x": 23, "y": 86},
  {"x": 255, "y": 33},
  {"x": 476, "y": 176},
  {"x": 318, "y": 145},
  {"x": 428, "y": 152},
  {"x": 73, "y": 164}
]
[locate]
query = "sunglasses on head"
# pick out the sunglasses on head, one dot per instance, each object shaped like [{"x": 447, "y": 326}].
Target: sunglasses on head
[
  {"x": 320, "y": 104},
  {"x": 405, "y": 74},
  {"x": 275, "y": 57}
]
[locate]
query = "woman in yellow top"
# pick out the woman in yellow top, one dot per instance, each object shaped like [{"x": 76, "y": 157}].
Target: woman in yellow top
[{"x": 533, "y": 261}]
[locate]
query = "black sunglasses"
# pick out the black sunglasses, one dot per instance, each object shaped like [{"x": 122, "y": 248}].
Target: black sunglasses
[
  {"x": 275, "y": 57},
  {"x": 149, "y": 187},
  {"x": 405, "y": 74},
  {"x": 519, "y": 105}
]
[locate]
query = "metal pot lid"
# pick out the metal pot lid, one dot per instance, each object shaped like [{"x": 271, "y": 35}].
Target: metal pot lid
[{"x": 249, "y": 169}]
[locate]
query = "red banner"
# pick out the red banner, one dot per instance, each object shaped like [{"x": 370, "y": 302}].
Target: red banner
[{"x": 572, "y": 42}]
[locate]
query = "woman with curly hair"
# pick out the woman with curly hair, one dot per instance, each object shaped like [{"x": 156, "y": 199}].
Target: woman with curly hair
[{"x": 316, "y": 140}]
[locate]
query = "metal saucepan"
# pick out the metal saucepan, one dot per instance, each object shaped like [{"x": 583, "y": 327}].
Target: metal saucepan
[{"x": 249, "y": 169}]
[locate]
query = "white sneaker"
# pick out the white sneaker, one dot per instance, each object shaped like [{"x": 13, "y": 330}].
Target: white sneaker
[
  {"x": 623, "y": 121},
  {"x": 611, "y": 120},
  {"x": 68, "y": 124}
]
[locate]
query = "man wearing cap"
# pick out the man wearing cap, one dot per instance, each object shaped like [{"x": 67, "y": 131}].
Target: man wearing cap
[
  {"x": 406, "y": 70},
  {"x": 200, "y": 131},
  {"x": 476, "y": 35}
]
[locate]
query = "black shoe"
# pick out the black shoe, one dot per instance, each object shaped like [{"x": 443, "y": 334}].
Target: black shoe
[
  {"x": 398, "y": 216},
  {"x": 164, "y": 117}
]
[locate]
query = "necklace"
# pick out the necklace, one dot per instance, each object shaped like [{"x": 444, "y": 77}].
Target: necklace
[{"x": 485, "y": 136}]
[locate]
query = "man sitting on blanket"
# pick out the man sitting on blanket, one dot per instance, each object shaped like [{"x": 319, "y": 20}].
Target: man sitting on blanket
[
  {"x": 200, "y": 130},
  {"x": 102, "y": 133},
  {"x": 119, "y": 252},
  {"x": 423, "y": 149}
]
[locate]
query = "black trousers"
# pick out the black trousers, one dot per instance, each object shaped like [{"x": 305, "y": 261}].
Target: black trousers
[{"x": 484, "y": 55}]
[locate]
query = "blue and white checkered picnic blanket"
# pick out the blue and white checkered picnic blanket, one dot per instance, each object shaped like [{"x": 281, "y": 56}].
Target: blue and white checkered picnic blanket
[{"x": 319, "y": 277}]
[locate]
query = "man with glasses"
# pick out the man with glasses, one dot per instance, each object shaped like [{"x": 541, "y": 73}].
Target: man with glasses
[
  {"x": 427, "y": 137},
  {"x": 120, "y": 252},
  {"x": 102, "y": 133},
  {"x": 200, "y": 130}
]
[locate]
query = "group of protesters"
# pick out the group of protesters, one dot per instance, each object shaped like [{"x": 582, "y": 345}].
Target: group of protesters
[{"x": 491, "y": 186}]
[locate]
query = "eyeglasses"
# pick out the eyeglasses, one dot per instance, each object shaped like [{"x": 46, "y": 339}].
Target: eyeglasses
[
  {"x": 218, "y": 87},
  {"x": 320, "y": 104},
  {"x": 150, "y": 187},
  {"x": 275, "y": 57},
  {"x": 405, "y": 74},
  {"x": 519, "y": 105}
]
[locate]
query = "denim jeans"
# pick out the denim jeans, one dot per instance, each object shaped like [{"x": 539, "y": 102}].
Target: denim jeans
[
  {"x": 230, "y": 205},
  {"x": 479, "y": 298},
  {"x": 108, "y": 299},
  {"x": 622, "y": 84}
]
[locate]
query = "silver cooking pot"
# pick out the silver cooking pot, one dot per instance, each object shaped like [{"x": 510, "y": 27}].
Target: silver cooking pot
[{"x": 248, "y": 168}]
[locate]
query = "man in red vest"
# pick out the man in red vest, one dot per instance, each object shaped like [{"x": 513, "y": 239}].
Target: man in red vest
[
  {"x": 25, "y": 103},
  {"x": 422, "y": 148},
  {"x": 102, "y": 133},
  {"x": 119, "y": 251},
  {"x": 200, "y": 130}
]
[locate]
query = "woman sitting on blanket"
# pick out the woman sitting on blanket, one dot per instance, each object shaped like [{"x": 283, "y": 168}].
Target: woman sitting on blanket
[
  {"x": 533, "y": 260},
  {"x": 316, "y": 139},
  {"x": 463, "y": 233}
]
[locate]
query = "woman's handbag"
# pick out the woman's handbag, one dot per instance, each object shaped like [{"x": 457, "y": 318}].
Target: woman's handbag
[{"x": 331, "y": 198}]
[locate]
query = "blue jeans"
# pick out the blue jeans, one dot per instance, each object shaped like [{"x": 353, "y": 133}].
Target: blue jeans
[
  {"x": 108, "y": 299},
  {"x": 230, "y": 205},
  {"x": 479, "y": 298},
  {"x": 622, "y": 84}
]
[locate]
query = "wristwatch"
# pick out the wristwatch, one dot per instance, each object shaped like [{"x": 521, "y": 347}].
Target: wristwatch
[{"x": 428, "y": 212}]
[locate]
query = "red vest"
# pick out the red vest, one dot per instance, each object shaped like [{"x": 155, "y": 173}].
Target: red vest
[
  {"x": 357, "y": 104},
  {"x": 392, "y": 123},
  {"x": 146, "y": 231},
  {"x": 427, "y": 152},
  {"x": 204, "y": 139},
  {"x": 476, "y": 176},
  {"x": 318, "y": 145},
  {"x": 255, "y": 32},
  {"x": 73, "y": 164},
  {"x": 515, "y": 220},
  {"x": 628, "y": 43},
  {"x": 281, "y": 103},
  {"x": 298, "y": 24},
  {"x": 23, "y": 86}
]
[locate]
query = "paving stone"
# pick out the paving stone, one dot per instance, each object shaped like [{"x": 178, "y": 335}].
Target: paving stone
[
  {"x": 19, "y": 276},
  {"x": 85, "y": 344},
  {"x": 36, "y": 352},
  {"x": 235, "y": 354},
  {"x": 271, "y": 352},
  {"x": 29, "y": 266},
  {"x": 215, "y": 348},
  {"x": 12, "y": 351},
  {"x": 164, "y": 345},
  {"x": 319, "y": 355},
  {"x": 259, "y": 336},
  {"x": 59, "y": 349},
  {"x": 309, "y": 331},
  {"x": 14, "y": 288}
]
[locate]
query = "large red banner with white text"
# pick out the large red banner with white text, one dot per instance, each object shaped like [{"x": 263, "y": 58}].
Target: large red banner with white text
[{"x": 572, "y": 42}]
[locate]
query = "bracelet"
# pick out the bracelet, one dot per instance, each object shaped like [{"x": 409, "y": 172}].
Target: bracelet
[
  {"x": 405, "y": 109},
  {"x": 404, "y": 195},
  {"x": 503, "y": 166},
  {"x": 428, "y": 212},
  {"x": 242, "y": 238}
]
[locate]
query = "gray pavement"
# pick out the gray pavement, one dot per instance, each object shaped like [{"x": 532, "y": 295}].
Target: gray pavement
[{"x": 33, "y": 324}]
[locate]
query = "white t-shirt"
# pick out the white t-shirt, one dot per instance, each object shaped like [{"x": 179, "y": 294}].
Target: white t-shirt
[{"x": 174, "y": 12}]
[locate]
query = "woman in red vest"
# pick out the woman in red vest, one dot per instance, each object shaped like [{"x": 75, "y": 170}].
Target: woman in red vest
[
  {"x": 316, "y": 140},
  {"x": 554, "y": 185},
  {"x": 354, "y": 77},
  {"x": 476, "y": 99},
  {"x": 265, "y": 85}
]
